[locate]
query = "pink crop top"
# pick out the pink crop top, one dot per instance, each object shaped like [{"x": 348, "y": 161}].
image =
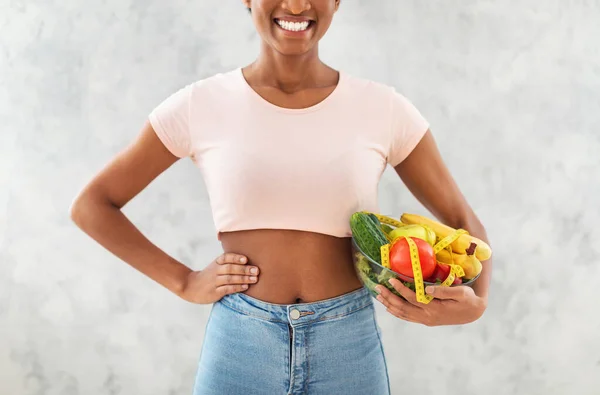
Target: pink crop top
[{"x": 306, "y": 169}]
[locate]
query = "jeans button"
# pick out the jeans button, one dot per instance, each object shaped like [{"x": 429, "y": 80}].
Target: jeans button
[{"x": 294, "y": 314}]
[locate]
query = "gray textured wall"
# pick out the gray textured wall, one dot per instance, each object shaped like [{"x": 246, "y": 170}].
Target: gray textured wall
[{"x": 512, "y": 90}]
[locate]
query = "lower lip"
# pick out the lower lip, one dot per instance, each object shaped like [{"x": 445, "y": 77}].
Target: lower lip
[{"x": 295, "y": 34}]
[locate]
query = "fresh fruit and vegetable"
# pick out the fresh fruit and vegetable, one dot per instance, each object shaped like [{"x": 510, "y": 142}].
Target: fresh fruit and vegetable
[
  {"x": 460, "y": 245},
  {"x": 440, "y": 273},
  {"x": 387, "y": 229},
  {"x": 368, "y": 235},
  {"x": 447, "y": 256},
  {"x": 420, "y": 231},
  {"x": 468, "y": 261},
  {"x": 371, "y": 279},
  {"x": 400, "y": 260}
]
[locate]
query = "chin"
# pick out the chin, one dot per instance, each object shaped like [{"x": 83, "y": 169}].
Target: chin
[
  {"x": 292, "y": 51},
  {"x": 291, "y": 48}
]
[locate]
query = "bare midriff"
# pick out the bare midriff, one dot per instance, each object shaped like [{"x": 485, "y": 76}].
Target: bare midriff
[{"x": 295, "y": 266}]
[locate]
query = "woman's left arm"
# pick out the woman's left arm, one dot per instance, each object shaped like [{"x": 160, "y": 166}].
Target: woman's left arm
[{"x": 429, "y": 180}]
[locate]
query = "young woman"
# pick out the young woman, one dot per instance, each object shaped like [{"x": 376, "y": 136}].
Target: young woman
[{"x": 288, "y": 148}]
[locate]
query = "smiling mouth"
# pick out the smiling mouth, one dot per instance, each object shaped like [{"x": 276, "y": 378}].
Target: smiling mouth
[{"x": 294, "y": 26}]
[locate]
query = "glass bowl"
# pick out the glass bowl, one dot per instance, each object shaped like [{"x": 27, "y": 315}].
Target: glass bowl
[{"x": 372, "y": 273}]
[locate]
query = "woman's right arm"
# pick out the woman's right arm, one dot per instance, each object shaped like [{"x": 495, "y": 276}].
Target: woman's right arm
[{"x": 97, "y": 211}]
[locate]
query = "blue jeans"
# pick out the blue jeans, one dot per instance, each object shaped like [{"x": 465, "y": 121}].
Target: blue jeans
[{"x": 327, "y": 347}]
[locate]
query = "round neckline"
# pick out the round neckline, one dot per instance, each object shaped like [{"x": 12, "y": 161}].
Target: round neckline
[{"x": 314, "y": 107}]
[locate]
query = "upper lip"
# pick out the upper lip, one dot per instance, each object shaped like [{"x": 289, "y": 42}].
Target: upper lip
[{"x": 291, "y": 18}]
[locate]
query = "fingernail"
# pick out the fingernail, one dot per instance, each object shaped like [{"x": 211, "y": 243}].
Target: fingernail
[
  {"x": 254, "y": 270},
  {"x": 429, "y": 290},
  {"x": 378, "y": 289},
  {"x": 392, "y": 281},
  {"x": 379, "y": 298},
  {"x": 252, "y": 278},
  {"x": 243, "y": 259},
  {"x": 245, "y": 286}
]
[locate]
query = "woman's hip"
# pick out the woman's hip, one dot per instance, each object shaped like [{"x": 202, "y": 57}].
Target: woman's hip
[{"x": 326, "y": 347}]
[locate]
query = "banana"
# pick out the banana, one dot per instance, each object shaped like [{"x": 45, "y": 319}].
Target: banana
[
  {"x": 482, "y": 251},
  {"x": 445, "y": 257},
  {"x": 469, "y": 262}
]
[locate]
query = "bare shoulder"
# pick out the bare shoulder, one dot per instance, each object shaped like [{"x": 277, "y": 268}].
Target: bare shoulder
[{"x": 131, "y": 170}]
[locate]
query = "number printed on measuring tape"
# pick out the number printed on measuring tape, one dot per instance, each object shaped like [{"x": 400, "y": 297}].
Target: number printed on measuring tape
[{"x": 385, "y": 256}]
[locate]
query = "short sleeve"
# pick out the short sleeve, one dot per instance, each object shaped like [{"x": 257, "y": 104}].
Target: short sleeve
[
  {"x": 171, "y": 122},
  {"x": 408, "y": 126}
]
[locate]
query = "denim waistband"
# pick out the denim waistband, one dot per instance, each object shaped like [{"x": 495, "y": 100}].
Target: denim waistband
[{"x": 299, "y": 313}]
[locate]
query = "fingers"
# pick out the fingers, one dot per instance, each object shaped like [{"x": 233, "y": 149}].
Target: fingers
[
  {"x": 455, "y": 293},
  {"x": 406, "y": 292},
  {"x": 231, "y": 289},
  {"x": 397, "y": 305},
  {"x": 233, "y": 275},
  {"x": 229, "y": 279},
  {"x": 230, "y": 257},
  {"x": 232, "y": 268}
]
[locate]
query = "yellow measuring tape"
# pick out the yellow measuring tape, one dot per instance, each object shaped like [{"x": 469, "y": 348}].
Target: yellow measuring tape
[
  {"x": 446, "y": 241},
  {"x": 455, "y": 270},
  {"x": 385, "y": 256},
  {"x": 417, "y": 274},
  {"x": 387, "y": 220}
]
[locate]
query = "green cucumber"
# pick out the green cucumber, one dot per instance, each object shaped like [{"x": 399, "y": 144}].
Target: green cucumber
[
  {"x": 368, "y": 235},
  {"x": 386, "y": 228},
  {"x": 374, "y": 219}
]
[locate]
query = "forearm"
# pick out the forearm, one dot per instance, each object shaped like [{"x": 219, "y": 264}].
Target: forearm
[
  {"x": 107, "y": 225},
  {"x": 472, "y": 224}
]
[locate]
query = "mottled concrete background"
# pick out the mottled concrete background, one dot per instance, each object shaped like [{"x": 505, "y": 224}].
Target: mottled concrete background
[{"x": 512, "y": 90}]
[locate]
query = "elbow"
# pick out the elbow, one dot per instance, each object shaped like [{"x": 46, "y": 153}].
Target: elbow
[
  {"x": 88, "y": 208},
  {"x": 77, "y": 210},
  {"x": 82, "y": 209}
]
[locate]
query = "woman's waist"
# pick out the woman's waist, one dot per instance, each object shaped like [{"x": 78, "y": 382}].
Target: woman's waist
[
  {"x": 285, "y": 282},
  {"x": 295, "y": 267},
  {"x": 300, "y": 313}
]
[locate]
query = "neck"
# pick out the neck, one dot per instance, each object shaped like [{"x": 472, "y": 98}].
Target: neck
[{"x": 288, "y": 72}]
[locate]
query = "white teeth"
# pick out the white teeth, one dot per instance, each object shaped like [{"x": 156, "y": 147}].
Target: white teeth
[{"x": 293, "y": 26}]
